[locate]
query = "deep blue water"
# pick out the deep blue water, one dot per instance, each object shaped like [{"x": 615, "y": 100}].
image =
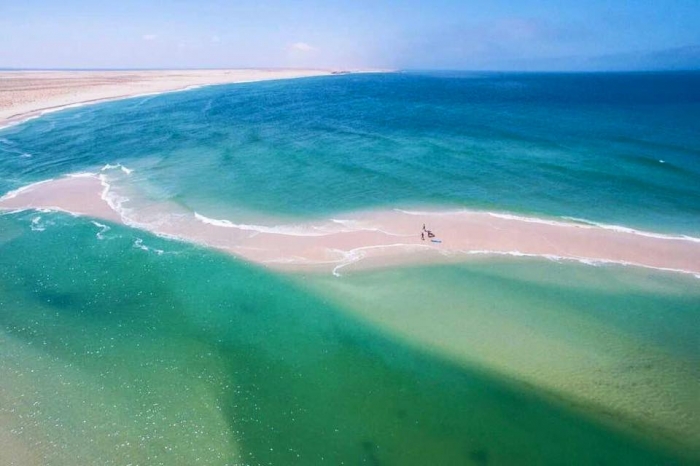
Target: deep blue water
[{"x": 612, "y": 148}]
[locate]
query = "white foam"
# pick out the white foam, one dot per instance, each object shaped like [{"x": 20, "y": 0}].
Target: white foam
[
  {"x": 357, "y": 254},
  {"x": 503, "y": 215},
  {"x": 574, "y": 222},
  {"x": 46, "y": 111},
  {"x": 520, "y": 218},
  {"x": 12, "y": 194},
  {"x": 430, "y": 213},
  {"x": 36, "y": 224},
  {"x": 213, "y": 221},
  {"x": 632, "y": 231},
  {"x": 288, "y": 230},
  {"x": 103, "y": 229},
  {"x": 595, "y": 262},
  {"x": 138, "y": 243},
  {"x": 44, "y": 210},
  {"x": 10, "y": 212},
  {"x": 82, "y": 175},
  {"x": 345, "y": 257},
  {"x": 116, "y": 202},
  {"x": 110, "y": 166},
  {"x": 334, "y": 226}
]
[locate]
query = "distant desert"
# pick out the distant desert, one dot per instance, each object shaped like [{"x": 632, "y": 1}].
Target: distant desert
[{"x": 26, "y": 94}]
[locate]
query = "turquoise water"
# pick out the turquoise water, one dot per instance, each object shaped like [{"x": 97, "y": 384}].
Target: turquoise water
[
  {"x": 588, "y": 146},
  {"x": 121, "y": 347},
  {"x": 115, "y": 354}
]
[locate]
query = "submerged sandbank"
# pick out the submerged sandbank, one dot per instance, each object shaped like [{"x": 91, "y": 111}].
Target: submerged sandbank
[
  {"x": 364, "y": 239},
  {"x": 612, "y": 344},
  {"x": 221, "y": 360}
]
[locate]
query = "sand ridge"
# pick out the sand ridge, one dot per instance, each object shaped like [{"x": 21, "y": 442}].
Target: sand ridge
[{"x": 360, "y": 239}]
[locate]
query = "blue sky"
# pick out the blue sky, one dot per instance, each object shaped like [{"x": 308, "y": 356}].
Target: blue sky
[{"x": 415, "y": 34}]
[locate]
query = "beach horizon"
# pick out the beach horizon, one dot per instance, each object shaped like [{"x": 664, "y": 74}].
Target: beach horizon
[{"x": 28, "y": 94}]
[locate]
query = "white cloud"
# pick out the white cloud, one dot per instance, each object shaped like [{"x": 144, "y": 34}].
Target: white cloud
[
  {"x": 149, "y": 36},
  {"x": 301, "y": 47}
]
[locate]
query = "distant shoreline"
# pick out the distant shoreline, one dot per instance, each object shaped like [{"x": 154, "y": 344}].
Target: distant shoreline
[{"x": 25, "y": 95}]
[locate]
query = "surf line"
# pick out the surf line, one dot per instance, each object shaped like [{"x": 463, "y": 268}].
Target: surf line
[{"x": 333, "y": 245}]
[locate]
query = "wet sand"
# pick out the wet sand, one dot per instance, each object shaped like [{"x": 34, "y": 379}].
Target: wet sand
[
  {"x": 362, "y": 239},
  {"x": 28, "y": 94}
]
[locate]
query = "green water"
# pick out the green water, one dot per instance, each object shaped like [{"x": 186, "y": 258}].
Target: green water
[
  {"x": 118, "y": 347},
  {"x": 619, "y": 342},
  {"x": 112, "y": 354}
]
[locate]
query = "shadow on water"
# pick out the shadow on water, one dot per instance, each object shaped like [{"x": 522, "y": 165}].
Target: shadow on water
[
  {"x": 350, "y": 394},
  {"x": 298, "y": 381}
]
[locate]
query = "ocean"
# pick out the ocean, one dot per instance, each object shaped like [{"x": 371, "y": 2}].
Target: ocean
[{"x": 122, "y": 346}]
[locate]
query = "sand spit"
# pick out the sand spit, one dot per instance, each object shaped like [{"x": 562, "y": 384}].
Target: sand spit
[
  {"x": 362, "y": 239},
  {"x": 28, "y": 94}
]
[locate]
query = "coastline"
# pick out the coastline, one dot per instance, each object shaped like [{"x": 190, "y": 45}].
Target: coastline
[
  {"x": 372, "y": 239},
  {"x": 94, "y": 198},
  {"x": 25, "y": 95},
  {"x": 368, "y": 239},
  {"x": 388, "y": 238}
]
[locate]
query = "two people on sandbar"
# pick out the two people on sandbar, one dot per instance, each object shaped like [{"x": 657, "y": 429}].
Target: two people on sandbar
[{"x": 430, "y": 233}]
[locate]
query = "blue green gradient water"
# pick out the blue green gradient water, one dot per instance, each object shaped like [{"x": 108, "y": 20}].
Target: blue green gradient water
[
  {"x": 589, "y": 146},
  {"x": 115, "y": 354},
  {"x": 120, "y": 347}
]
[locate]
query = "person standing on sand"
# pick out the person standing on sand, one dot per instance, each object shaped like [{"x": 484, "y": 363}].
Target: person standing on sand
[{"x": 422, "y": 236}]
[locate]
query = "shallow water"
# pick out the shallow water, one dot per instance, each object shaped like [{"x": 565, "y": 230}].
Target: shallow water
[
  {"x": 116, "y": 354},
  {"x": 615, "y": 339},
  {"x": 122, "y": 347}
]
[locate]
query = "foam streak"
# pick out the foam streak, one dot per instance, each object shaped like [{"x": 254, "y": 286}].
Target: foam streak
[{"x": 366, "y": 239}]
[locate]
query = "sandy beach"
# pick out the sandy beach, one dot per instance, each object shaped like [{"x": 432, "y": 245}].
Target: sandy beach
[
  {"x": 365, "y": 239},
  {"x": 27, "y": 94},
  {"x": 347, "y": 212},
  {"x": 362, "y": 239}
]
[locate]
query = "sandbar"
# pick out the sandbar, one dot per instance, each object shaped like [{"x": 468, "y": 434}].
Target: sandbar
[{"x": 375, "y": 238}]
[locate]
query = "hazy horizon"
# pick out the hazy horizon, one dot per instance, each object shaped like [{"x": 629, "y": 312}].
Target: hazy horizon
[{"x": 410, "y": 35}]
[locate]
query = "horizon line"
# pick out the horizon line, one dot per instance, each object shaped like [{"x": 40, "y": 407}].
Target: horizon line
[{"x": 351, "y": 70}]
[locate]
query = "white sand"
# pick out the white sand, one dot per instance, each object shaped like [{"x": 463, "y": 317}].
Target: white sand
[
  {"x": 365, "y": 239},
  {"x": 27, "y": 94}
]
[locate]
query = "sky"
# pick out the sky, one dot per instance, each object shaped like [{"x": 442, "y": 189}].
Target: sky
[{"x": 408, "y": 34}]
